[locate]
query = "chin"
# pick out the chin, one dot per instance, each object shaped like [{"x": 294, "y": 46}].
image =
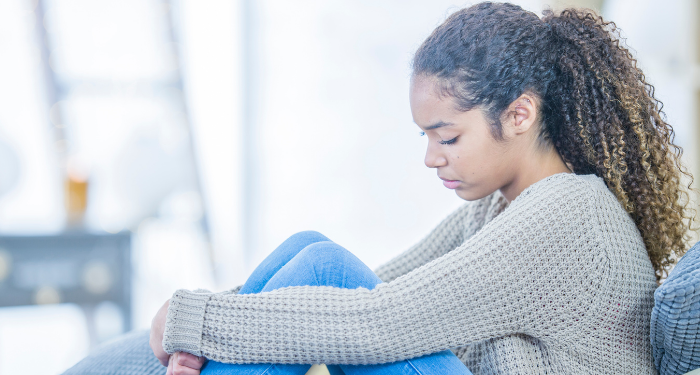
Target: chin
[{"x": 473, "y": 194}]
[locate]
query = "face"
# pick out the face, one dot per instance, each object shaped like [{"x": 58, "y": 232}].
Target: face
[{"x": 460, "y": 145}]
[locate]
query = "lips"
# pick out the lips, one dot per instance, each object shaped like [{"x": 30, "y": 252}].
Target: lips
[{"x": 450, "y": 184}]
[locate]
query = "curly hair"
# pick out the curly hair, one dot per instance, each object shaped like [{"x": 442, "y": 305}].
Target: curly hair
[{"x": 597, "y": 109}]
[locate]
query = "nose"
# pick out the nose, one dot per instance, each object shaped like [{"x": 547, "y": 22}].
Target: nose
[{"x": 434, "y": 158}]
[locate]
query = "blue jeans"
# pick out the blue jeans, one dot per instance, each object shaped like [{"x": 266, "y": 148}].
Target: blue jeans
[{"x": 309, "y": 258}]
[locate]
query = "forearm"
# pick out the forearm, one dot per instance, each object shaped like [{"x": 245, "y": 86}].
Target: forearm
[{"x": 312, "y": 325}]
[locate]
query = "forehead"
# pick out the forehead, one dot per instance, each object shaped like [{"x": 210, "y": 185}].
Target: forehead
[
  {"x": 427, "y": 105},
  {"x": 423, "y": 87}
]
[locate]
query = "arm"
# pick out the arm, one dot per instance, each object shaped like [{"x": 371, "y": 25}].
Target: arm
[
  {"x": 525, "y": 272},
  {"x": 447, "y": 236}
]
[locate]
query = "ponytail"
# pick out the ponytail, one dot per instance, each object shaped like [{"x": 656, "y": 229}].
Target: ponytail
[
  {"x": 598, "y": 111},
  {"x": 614, "y": 127}
]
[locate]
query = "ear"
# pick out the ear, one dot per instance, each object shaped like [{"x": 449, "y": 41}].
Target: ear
[{"x": 522, "y": 115}]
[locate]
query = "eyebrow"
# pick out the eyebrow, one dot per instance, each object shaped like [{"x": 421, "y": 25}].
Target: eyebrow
[{"x": 438, "y": 124}]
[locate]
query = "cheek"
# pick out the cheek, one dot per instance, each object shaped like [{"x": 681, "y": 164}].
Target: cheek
[
  {"x": 463, "y": 161},
  {"x": 465, "y": 151},
  {"x": 475, "y": 159}
]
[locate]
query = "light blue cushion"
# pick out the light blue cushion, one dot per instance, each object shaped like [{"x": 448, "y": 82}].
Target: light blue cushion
[
  {"x": 675, "y": 319},
  {"x": 128, "y": 354}
]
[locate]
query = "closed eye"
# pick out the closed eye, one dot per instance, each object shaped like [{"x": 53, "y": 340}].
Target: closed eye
[{"x": 449, "y": 141}]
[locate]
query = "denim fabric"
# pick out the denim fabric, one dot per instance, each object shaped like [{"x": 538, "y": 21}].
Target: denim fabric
[
  {"x": 310, "y": 258},
  {"x": 218, "y": 368}
]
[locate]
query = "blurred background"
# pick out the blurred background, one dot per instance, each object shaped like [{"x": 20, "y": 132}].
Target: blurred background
[{"x": 148, "y": 145}]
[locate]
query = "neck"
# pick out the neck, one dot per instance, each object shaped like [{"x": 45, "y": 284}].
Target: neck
[{"x": 539, "y": 165}]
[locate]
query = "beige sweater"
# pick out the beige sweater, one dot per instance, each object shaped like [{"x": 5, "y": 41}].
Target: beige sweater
[{"x": 556, "y": 282}]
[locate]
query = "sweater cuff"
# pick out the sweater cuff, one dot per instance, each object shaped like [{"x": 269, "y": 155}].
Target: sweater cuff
[{"x": 184, "y": 322}]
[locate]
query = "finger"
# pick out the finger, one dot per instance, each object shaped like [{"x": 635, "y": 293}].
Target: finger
[
  {"x": 170, "y": 366},
  {"x": 179, "y": 369},
  {"x": 190, "y": 360},
  {"x": 156, "y": 334},
  {"x": 158, "y": 351},
  {"x": 182, "y": 370}
]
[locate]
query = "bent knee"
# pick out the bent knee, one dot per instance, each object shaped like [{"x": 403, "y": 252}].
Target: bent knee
[
  {"x": 328, "y": 251},
  {"x": 309, "y": 236},
  {"x": 331, "y": 261}
]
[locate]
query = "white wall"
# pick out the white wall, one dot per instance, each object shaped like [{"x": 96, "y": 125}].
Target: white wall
[
  {"x": 33, "y": 200},
  {"x": 337, "y": 149}
]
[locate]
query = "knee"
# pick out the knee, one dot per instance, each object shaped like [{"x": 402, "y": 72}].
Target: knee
[
  {"x": 333, "y": 265},
  {"x": 325, "y": 251},
  {"x": 308, "y": 236}
]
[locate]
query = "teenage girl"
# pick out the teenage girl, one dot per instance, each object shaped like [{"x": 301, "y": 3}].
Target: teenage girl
[{"x": 575, "y": 210}]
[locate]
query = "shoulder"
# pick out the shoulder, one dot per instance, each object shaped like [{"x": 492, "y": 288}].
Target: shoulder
[
  {"x": 574, "y": 194},
  {"x": 566, "y": 202},
  {"x": 581, "y": 208},
  {"x": 573, "y": 205},
  {"x": 552, "y": 225},
  {"x": 579, "y": 194},
  {"x": 555, "y": 198},
  {"x": 562, "y": 187}
]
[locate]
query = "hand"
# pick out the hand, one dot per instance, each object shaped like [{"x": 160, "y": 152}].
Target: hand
[
  {"x": 157, "y": 329},
  {"x": 184, "y": 364}
]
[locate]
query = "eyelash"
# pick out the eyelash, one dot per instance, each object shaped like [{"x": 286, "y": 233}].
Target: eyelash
[{"x": 449, "y": 141}]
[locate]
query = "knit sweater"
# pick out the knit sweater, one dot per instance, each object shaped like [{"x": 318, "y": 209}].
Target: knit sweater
[{"x": 556, "y": 282}]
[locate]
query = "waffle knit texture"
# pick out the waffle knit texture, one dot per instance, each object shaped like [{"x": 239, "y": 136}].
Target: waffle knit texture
[{"x": 556, "y": 282}]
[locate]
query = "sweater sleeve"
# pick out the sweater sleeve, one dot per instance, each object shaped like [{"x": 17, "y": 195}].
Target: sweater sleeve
[
  {"x": 534, "y": 269},
  {"x": 450, "y": 233}
]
